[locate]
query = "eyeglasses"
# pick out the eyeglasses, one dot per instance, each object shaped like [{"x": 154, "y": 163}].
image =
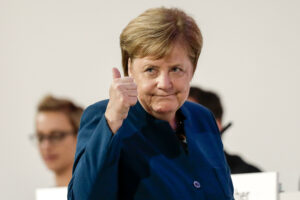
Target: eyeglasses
[{"x": 55, "y": 137}]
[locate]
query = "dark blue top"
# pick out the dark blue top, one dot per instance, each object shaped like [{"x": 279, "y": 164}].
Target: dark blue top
[{"x": 145, "y": 160}]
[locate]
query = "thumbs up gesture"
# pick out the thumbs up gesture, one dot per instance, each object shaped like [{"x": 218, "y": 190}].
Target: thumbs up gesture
[{"x": 122, "y": 95}]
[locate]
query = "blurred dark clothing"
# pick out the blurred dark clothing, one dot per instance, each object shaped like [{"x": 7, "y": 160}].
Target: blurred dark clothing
[{"x": 238, "y": 165}]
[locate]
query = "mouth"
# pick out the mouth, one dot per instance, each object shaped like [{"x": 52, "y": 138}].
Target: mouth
[
  {"x": 50, "y": 158},
  {"x": 164, "y": 95}
]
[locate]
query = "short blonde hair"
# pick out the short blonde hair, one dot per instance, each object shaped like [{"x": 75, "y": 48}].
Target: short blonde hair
[
  {"x": 70, "y": 109},
  {"x": 155, "y": 31}
]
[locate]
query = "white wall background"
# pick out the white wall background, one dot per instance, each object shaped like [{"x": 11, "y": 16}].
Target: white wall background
[{"x": 67, "y": 48}]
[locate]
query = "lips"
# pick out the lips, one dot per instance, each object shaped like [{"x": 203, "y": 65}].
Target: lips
[
  {"x": 50, "y": 158},
  {"x": 164, "y": 95}
]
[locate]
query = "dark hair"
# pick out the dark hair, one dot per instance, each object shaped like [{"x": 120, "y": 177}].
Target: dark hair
[
  {"x": 72, "y": 111},
  {"x": 208, "y": 99}
]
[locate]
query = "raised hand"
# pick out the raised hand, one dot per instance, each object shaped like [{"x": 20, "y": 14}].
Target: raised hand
[{"x": 122, "y": 95}]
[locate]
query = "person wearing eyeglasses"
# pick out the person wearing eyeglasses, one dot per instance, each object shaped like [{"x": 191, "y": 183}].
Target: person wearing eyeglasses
[{"x": 57, "y": 123}]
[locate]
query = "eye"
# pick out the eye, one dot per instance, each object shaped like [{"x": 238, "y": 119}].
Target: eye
[
  {"x": 149, "y": 69},
  {"x": 176, "y": 69},
  {"x": 40, "y": 137},
  {"x": 58, "y": 135}
]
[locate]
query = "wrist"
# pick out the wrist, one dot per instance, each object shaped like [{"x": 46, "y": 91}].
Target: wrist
[{"x": 113, "y": 123}]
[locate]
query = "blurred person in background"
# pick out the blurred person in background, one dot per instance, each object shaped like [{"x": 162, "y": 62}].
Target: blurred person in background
[
  {"x": 57, "y": 122},
  {"x": 212, "y": 101}
]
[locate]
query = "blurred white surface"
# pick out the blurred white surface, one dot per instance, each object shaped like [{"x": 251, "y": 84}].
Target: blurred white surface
[
  {"x": 55, "y": 193},
  {"x": 290, "y": 196},
  {"x": 256, "y": 186}
]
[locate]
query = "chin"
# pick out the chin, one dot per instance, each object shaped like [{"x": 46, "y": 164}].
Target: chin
[
  {"x": 165, "y": 108},
  {"x": 51, "y": 165},
  {"x": 52, "y": 168}
]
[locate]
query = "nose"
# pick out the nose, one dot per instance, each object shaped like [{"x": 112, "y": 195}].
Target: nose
[
  {"x": 164, "y": 81},
  {"x": 45, "y": 144}
]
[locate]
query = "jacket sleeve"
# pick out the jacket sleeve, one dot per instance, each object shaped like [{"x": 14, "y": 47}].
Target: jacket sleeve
[
  {"x": 228, "y": 181},
  {"x": 96, "y": 159}
]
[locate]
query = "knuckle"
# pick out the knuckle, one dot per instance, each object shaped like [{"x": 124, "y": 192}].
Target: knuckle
[
  {"x": 117, "y": 86},
  {"x": 115, "y": 81},
  {"x": 123, "y": 100}
]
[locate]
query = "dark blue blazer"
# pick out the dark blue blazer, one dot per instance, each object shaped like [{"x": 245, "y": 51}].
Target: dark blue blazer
[{"x": 145, "y": 160}]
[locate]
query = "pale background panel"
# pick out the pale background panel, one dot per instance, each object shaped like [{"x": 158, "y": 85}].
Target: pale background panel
[{"x": 67, "y": 48}]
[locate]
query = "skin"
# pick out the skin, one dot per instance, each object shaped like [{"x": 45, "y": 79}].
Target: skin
[
  {"x": 161, "y": 86},
  {"x": 58, "y": 158}
]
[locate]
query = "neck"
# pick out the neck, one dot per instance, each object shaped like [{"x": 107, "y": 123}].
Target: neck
[
  {"x": 63, "y": 177},
  {"x": 173, "y": 124},
  {"x": 171, "y": 118}
]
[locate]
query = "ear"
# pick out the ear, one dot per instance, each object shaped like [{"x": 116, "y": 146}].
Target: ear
[
  {"x": 219, "y": 124},
  {"x": 129, "y": 67}
]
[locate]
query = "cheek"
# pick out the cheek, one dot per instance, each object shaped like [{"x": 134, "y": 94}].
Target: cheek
[
  {"x": 182, "y": 84},
  {"x": 145, "y": 87},
  {"x": 68, "y": 147},
  {"x": 182, "y": 88},
  {"x": 182, "y": 95},
  {"x": 72, "y": 144},
  {"x": 42, "y": 150}
]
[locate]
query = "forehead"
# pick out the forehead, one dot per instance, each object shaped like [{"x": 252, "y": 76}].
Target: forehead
[
  {"x": 49, "y": 121},
  {"x": 176, "y": 55}
]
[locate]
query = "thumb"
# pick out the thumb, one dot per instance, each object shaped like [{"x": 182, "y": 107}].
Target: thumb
[{"x": 116, "y": 73}]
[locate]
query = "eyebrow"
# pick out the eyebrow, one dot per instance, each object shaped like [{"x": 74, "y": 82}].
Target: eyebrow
[
  {"x": 157, "y": 66},
  {"x": 150, "y": 65}
]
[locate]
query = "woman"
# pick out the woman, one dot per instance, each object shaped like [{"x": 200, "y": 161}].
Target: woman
[
  {"x": 146, "y": 142},
  {"x": 57, "y": 123}
]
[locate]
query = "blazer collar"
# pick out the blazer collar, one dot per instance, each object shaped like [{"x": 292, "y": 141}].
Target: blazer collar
[{"x": 141, "y": 118}]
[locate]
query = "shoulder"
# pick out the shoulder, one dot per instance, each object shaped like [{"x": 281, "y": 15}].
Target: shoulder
[
  {"x": 95, "y": 110},
  {"x": 93, "y": 114},
  {"x": 96, "y": 107},
  {"x": 89, "y": 120},
  {"x": 199, "y": 116},
  {"x": 195, "y": 109}
]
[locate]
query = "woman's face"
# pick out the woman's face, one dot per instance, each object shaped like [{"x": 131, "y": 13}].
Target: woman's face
[
  {"x": 163, "y": 85},
  {"x": 57, "y": 140}
]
